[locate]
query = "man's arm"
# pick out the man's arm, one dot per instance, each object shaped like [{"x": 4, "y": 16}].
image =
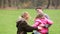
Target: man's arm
[{"x": 47, "y": 16}]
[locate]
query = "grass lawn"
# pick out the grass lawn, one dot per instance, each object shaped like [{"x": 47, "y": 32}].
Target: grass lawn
[{"x": 8, "y": 20}]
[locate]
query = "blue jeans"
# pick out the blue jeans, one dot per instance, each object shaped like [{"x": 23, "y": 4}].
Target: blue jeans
[{"x": 36, "y": 32}]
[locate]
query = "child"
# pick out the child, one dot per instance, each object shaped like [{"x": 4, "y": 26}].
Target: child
[{"x": 42, "y": 23}]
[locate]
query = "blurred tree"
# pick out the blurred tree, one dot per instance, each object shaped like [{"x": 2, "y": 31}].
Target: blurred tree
[
  {"x": 55, "y": 3},
  {"x": 0, "y": 3},
  {"x": 40, "y": 2},
  {"x": 48, "y": 4},
  {"x": 4, "y": 2},
  {"x": 9, "y": 3},
  {"x": 29, "y": 3}
]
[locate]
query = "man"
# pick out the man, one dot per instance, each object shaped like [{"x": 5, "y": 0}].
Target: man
[{"x": 40, "y": 10}]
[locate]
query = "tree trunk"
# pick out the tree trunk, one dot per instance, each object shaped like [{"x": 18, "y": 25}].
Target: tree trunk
[
  {"x": 9, "y": 3},
  {"x": 4, "y": 3},
  {"x": 0, "y": 3},
  {"x": 48, "y": 4},
  {"x": 57, "y": 4}
]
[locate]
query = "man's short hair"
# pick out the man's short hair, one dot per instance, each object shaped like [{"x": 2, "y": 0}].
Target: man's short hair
[{"x": 38, "y": 7}]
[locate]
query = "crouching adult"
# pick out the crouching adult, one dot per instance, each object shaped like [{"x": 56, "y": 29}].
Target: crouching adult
[{"x": 22, "y": 24}]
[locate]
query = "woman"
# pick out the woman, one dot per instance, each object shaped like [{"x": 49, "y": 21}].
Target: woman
[{"x": 22, "y": 26}]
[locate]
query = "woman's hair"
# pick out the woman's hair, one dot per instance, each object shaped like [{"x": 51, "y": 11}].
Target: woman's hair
[
  {"x": 25, "y": 15},
  {"x": 40, "y": 15}
]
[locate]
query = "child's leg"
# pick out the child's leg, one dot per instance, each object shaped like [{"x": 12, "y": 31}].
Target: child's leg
[
  {"x": 47, "y": 33},
  {"x": 36, "y": 32}
]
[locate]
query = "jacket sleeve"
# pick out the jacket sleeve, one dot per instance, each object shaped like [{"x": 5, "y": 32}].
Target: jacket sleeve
[
  {"x": 49, "y": 23},
  {"x": 27, "y": 27},
  {"x": 17, "y": 23},
  {"x": 47, "y": 16},
  {"x": 37, "y": 23}
]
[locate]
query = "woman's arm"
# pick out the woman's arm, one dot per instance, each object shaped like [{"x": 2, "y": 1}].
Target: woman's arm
[{"x": 27, "y": 27}]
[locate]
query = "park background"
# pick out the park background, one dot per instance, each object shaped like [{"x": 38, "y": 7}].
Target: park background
[{"x": 10, "y": 10}]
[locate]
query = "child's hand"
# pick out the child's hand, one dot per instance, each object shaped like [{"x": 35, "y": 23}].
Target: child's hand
[
  {"x": 47, "y": 25},
  {"x": 39, "y": 27}
]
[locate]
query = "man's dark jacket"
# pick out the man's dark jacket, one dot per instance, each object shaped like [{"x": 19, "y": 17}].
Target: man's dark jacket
[{"x": 23, "y": 27}]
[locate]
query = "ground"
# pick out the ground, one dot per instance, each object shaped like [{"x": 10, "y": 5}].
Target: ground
[{"x": 8, "y": 20}]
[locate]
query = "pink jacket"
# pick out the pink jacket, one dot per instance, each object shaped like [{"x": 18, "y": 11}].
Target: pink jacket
[{"x": 44, "y": 21}]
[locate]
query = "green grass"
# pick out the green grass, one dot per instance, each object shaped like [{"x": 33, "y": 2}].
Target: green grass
[{"x": 8, "y": 20}]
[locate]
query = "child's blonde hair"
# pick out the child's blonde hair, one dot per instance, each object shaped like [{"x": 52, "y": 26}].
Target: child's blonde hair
[{"x": 40, "y": 15}]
